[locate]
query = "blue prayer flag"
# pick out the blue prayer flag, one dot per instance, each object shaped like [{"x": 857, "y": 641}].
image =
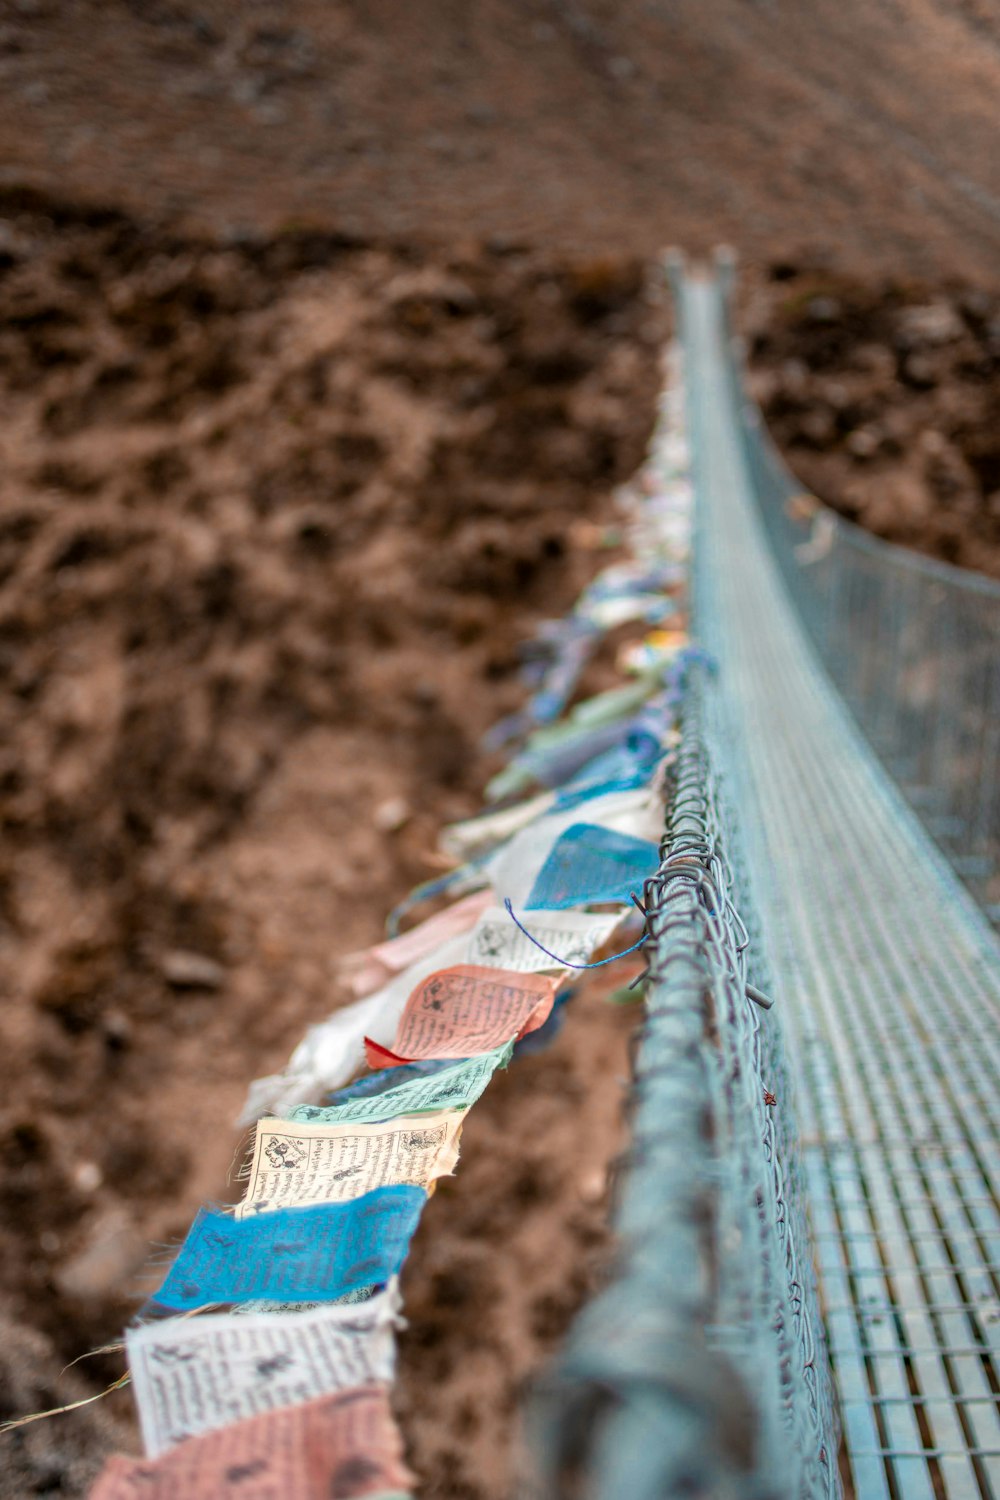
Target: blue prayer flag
[
  {"x": 294, "y": 1254},
  {"x": 588, "y": 864}
]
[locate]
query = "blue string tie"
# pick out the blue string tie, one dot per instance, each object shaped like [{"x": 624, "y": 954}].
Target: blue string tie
[{"x": 567, "y": 963}]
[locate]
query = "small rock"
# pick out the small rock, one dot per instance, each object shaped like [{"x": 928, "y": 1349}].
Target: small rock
[
  {"x": 934, "y": 323},
  {"x": 863, "y": 442},
  {"x": 391, "y": 814},
  {"x": 593, "y": 1186},
  {"x": 817, "y": 427},
  {"x": 823, "y": 309},
  {"x": 112, "y": 1255},
  {"x": 919, "y": 370},
  {"x": 794, "y": 375},
  {"x": 87, "y": 1176},
  {"x": 192, "y": 971},
  {"x": 431, "y": 287},
  {"x": 117, "y": 1028},
  {"x": 622, "y": 67}
]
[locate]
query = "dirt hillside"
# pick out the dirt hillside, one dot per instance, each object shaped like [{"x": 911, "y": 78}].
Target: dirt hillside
[
  {"x": 862, "y": 128},
  {"x": 274, "y": 522}
]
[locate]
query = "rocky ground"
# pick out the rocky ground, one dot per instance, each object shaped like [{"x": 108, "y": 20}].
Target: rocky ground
[{"x": 884, "y": 396}]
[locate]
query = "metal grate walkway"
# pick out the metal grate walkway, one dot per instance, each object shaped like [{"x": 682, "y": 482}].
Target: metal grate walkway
[{"x": 890, "y": 998}]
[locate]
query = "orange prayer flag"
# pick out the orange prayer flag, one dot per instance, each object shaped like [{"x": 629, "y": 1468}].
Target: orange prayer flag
[{"x": 464, "y": 1010}]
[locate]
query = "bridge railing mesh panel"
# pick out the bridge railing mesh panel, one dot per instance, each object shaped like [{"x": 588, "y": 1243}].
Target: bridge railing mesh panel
[
  {"x": 912, "y": 644},
  {"x": 701, "y": 1370},
  {"x": 887, "y": 978}
]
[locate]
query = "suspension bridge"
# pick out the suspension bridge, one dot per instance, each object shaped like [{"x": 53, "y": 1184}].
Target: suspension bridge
[{"x": 836, "y": 786}]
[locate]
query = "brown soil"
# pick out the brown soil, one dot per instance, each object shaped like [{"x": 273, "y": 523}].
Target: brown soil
[
  {"x": 885, "y": 397},
  {"x": 274, "y": 521},
  {"x": 867, "y": 130}
]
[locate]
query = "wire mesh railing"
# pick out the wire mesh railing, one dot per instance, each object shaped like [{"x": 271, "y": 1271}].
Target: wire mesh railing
[
  {"x": 913, "y": 646},
  {"x": 889, "y": 988},
  {"x": 701, "y": 1369}
]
